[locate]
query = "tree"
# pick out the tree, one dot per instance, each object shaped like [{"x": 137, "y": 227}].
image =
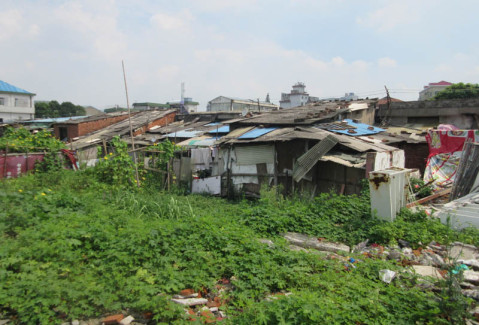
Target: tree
[
  {"x": 458, "y": 91},
  {"x": 55, "y": 109}
]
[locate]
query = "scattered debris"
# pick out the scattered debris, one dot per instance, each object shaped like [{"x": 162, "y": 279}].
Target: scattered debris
[
  {"x": 387, "y": 275},
  {"x": 190, "y": 301},
  {"x": 113, "y": 319}
]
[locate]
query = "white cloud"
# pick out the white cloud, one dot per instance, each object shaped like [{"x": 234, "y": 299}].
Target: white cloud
[
  {"x": 97, "y": 28},
  {"x": 338, "y": 61},
  {"x": 172, "y": 22},
  {"x": 387, "y": 63},
  {"x": 395, "y": 13},
  {"x": 10, "y": 23},
  {"x": 14, "y": 25},
  {"x": 222, "y": 5}
]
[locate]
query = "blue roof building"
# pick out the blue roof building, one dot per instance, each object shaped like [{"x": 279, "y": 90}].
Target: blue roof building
[{"x": 15, "y": 103}]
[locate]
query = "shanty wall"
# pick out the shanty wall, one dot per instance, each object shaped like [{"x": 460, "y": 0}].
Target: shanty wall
[
  {"x": 463, "y": 113},
  {"x": 416, "y": 155},
  {"x": 82, "y": 128},
  {"x": 159, "y": 122},
  {"x": 248, "y": 173},
  {"x": 338, "y": 178}
]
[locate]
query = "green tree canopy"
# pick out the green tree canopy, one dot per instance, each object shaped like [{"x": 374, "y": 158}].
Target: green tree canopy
[
  {"x": 55, "y": 109},
  {"x": 459, "y": 90}
]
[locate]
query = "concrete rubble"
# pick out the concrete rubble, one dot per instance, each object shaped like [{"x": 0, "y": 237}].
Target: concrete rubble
[{"x": 315, "y": 243}]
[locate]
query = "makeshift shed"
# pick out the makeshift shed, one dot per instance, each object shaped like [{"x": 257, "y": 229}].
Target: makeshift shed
[
  {"x": 86, "y": 146},
  {"x": 301, "y": 158}
]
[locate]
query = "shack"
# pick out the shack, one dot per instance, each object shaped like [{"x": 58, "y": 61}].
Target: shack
[{"x": 86, "y": 146}]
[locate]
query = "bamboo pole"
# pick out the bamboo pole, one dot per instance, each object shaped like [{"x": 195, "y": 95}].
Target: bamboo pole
[{"x": 131, "y": 128}]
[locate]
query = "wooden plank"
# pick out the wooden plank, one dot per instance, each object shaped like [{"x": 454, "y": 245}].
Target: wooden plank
[
  {"x": 430, "y": 197},
  {"x": 156, "y": 170},
  {"x": 467, "y": 171}
]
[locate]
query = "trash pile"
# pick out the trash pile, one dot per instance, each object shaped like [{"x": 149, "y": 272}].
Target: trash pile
[{"x": 432, "y": 261}]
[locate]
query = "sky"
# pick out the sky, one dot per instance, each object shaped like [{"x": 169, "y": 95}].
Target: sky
[{"x": 71, "y": 50}]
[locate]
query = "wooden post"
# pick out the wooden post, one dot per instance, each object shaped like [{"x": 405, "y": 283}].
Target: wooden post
[
  {"x": 467, "y": 171},
  {"x": 131, "y": 128},
  {"x": 26, "y": 163},
  {"x": 105, "y": 149},
  {"x": 228, "y": 172},
  {"x": 5, "y": 162},
  {"x": 275, "y": 165}
]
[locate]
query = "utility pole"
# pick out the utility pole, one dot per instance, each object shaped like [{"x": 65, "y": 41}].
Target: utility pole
[
  {"x": 259, "y": 108},
  {"x": 386, "y": 117}
]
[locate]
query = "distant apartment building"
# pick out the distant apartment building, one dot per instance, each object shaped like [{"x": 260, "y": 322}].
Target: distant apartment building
[
  {"x": 297, "y": 97},
  {"x": 432, "y": 89},
  {"x": 188, "y": 104},
  {"x": 230, "y": 104},
  {"x": 15, "y": 103}
]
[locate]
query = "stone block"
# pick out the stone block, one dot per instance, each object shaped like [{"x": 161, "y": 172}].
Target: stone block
[
  {"x": 471, "y": 276},
  {"x": 127, "y": 320},
  {"x": 315, "y": 243},
  {"x": 191, "y": 301},
  {"x": 424, "y": 270}
]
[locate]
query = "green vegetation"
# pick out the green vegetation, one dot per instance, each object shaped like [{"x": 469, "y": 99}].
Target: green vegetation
[
  {"x": 55, "y": 109},
  {"x": 75, "y": 245},
  {"x": 459, "y": 91},
  {"x": 22, "y": 140}
]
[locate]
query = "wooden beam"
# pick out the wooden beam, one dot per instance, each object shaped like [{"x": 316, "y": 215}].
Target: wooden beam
[{"x": 430, "y": 197}]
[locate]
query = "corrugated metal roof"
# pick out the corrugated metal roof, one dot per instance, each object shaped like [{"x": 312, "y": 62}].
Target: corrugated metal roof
[
  {"x": 7, "y": 88},
  {"x": 221, "y": 129},
  {"x": 54, "y": 120},
  {"x": 255, "y": 133},
  {"x": 184, "y": 134},
  {"x": 349, "y": 127},
  {"x": 304, "y": 163},
  {"x": 462, "y": 212},
  {"x": 201, "y": 141}
]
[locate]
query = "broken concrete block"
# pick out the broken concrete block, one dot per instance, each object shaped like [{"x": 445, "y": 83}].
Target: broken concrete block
[
  {"x": 191, "y": 301},
  {"x": 362, "y": 245},
  {"x": 75, "y": 322},
  {"x": 193, "y": 295},
  {"x": 424, "y": 270},
  {"x": 472, "y": 263},
  {"x": 463, "y": 251},
  {"x": 471, "y": 276},
  {"x": 315, "y": 243},
  {"x": 266, "y": 241},
  {"x": 127, "y": 320},
  {"x": 474, "y": 294},
  {"x": 214, "y": 309}
]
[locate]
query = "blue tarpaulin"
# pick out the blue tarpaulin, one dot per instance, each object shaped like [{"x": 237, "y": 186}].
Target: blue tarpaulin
[
  {"x": 221, "y": 129},
  {"x": 255, "y": 133},
  {"x": 349, "y": 127}
]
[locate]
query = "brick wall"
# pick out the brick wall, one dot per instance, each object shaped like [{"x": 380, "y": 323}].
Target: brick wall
[
  {"x": 88, "y": 127},
  {"x": 82, "y": 128},
  {"x": 416, "y": 154},
  {"x": 170, "y": 118}
]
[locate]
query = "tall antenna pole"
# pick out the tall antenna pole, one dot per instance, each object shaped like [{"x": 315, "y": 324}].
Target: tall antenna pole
[{"x": 131, "y": 128}]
